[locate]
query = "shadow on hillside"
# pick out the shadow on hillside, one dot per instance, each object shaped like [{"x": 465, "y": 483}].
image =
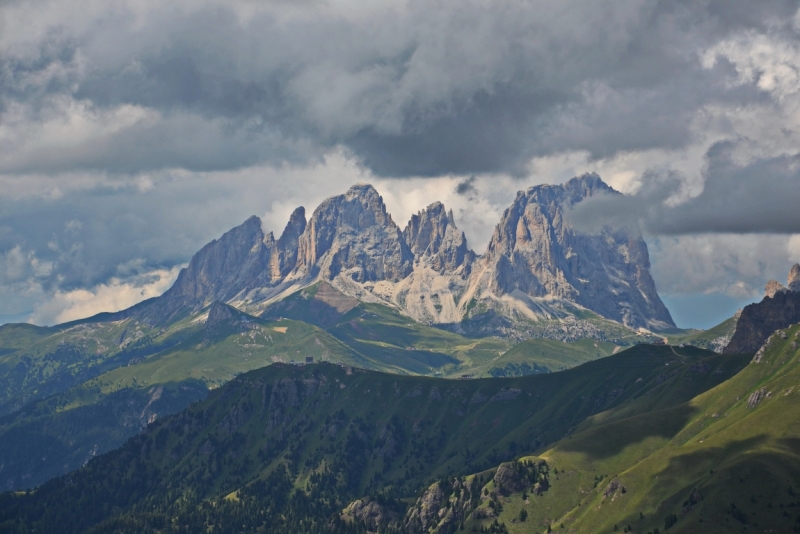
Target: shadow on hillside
[
  {"x": 706, "y": 459},
  {"x": 722, "y": 475},
  {"x": 610, "y": 439}
]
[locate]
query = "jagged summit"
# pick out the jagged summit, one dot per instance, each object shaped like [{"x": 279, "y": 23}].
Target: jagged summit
[
  {"x": 220, "y": 312},
  {"x": 535, "y": 253},
  {"x": 779, "y": 308},
  {"x": 792, "y": 283},
  {"x": 432, "y": 234},
  {"x": 536, "y": 268},
  {"x": 773, "y": 287},
  {"x": 354, "y": 235}
]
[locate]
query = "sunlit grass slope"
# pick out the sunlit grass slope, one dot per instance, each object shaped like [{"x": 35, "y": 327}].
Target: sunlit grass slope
[{"x": 726, "y": 461}]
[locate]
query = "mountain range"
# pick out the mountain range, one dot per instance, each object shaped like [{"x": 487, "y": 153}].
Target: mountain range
[
  {"x": 536, "y": 271},
  {"x": 353, "y": 377},
  {"x": 346, "y": 286}
]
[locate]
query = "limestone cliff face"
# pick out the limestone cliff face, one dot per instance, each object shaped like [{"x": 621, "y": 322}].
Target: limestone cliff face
[
  {"x": 288, "y": 245},
  {"x": 432, "y": 236},
  {"x": 442, "y": 264},
  {"x": 242, "y": 259},
  {"x": 535, "y": 253},
  {"x": 779, "y": 308},
  {"x": 536, "y": 266},
  {"x": 773, "y": 287},
  {"x": 758, "y": 321},
  {"x": 354, "y": 236}
]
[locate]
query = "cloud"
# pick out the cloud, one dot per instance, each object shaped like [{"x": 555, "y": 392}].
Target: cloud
[
  {"x": 756, "y": 197},
  {"x": 410, "y": 87},
  {"x": 466, "y": 187},
  {"x": 65, "y": 306},
  {"x": 730, "y": 264},
  {"x": 133, "y": 132}
]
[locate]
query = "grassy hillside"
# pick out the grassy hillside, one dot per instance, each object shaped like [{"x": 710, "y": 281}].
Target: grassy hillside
[
  {"x": 86, "y": 368},
  {"x": 286, "y": 447},
  {"x": 391, "y": 341},
  {"x": 395, "y": 343},
  {"x": 715, "y": 338},
  {"x": 38, "y": 362},
  {"x": 545, "y": 355},
  {"x": 58, "y": 434},
  {"x": 726, "y": 461},
  {"x": 47, "y": 361}
]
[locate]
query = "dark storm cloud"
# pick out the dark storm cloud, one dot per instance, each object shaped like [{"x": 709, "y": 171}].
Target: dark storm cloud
[
  {"x": 758, "y": 197},
  {"x": 466, "y": 187},
  {"x": 420, "y": 89}
]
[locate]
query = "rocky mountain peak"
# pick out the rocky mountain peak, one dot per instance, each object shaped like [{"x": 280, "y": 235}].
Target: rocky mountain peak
[
  {"x": 219, "y": 313},
  {"x": 535, "y": 251},
  {"x": 585, "y": 186},
  {"x": 773, "y": 287},
  {"x": 219, "y": 271},
  {"x": 353, "y": 234},
  {"x": 535, "y": 259},
  {"x": 793, "y": 280},
  {"x": 432, "y": 234},
  {"x": 282, "y": 263},
  {"x": 295, "y": 227},
  {"x": 779, "y": 308}
]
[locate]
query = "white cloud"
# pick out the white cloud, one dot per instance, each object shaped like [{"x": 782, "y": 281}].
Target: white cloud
[
  {"x": 115, "y": 295},
  {"x": 793, "y": 248},
  {"x": 729, "y": 264}
]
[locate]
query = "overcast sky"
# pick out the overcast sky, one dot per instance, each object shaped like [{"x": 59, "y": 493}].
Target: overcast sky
[{"x": 134, "y": 131}]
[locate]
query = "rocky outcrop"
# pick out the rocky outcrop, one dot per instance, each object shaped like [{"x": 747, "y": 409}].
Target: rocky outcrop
[
  {"x": 510, "y": 478},
  {"x": 432, "y": 236},
  {"x": 371, "y": 514},
  {"x": 774, "y": 287},
  {"x": 758, "y": 321},
  {"x": 243, "y": 259},
  {"x": 443, "y": 506},
  {"x": 219, "y": 313},
  {"x": 756, "y": 397},
  {"x": 353, "y": 235},
  {"x": 535, "y": 256}
]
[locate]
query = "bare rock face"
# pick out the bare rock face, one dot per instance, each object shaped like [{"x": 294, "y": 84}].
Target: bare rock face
[
  {"x": 432, "y": 235},
  {"x": 508, "y": 479},
  {"x": 219, "y": 271},
  {"x": 370, "y": 513},
  {"x": 287, "y": 246},
  {"x": 242, "y": 259},
  {"x": 536, "y": 266},
  {"x": 425, "y": 514},
  {"x": 773, "y": 287},
  {"x": 535, "y": 253},
  {"x": 442, "y": 507},
  {"x": 794, "y": 278},
  {"x": 219, "y": 313},
  {"x": 758, "y": 321},
  {"x": 354, "y": 236}
]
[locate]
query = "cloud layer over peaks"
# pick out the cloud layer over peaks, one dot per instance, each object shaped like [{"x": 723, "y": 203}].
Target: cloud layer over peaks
[
  {"x": 760, "y": 196},
  {"x": 410, "y": 87}
]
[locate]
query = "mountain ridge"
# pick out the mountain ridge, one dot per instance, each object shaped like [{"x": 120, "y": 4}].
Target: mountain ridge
[
  {"x": 537, "y": 268},
  {"x": 337, "y": 434}
]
